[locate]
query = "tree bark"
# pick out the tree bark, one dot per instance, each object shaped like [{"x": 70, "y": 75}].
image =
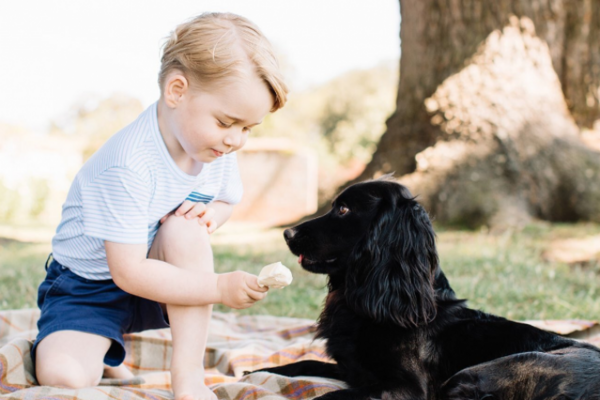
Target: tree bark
[{"x": 491, "y": 100}]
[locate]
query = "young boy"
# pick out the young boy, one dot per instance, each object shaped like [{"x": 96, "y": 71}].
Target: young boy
[{"x": 135, "y": 226}]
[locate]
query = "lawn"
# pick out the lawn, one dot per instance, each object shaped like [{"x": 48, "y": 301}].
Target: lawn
[{"x": 501, "y": 273}]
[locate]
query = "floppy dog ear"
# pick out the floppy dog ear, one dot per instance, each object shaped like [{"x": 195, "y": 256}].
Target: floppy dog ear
[{"x": 390, "y": 276}]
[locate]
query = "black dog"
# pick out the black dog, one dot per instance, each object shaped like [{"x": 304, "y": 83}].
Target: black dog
[{"x": 397, "y": 331}]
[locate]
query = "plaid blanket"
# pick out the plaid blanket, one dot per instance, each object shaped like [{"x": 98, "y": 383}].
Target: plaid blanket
[{"x": 235, "y": 344}]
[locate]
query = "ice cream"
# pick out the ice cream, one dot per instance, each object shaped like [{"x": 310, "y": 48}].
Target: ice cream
[{"x": 275, "y": 276}]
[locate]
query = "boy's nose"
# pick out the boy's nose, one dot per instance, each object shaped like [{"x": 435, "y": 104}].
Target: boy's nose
[{"x": 234, "y": 139}]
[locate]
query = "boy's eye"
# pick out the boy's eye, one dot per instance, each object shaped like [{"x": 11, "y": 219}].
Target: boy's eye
[
  {"x": 223, "y": 124},
  {"x": 247, "y": 130}
]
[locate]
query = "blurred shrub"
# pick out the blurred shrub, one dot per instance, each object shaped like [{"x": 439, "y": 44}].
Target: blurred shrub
[
  {"x": 9, "y": 203},
  {"x": 40, "y": 192},
  {"x": 24, "y": 202},
  {"x": 342, "y": 119},
  {"x": 345, "y": 115},
  {"x": 355, "y": 107},
  {"x": 33, "y": 179},
  {"x": 93, "y": 120}
]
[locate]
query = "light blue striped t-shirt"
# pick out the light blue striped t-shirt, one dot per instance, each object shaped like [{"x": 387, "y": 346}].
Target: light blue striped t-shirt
[{"x": 125, "y": 188}]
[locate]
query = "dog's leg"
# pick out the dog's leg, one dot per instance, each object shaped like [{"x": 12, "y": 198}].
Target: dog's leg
[
  {"x": 306, "y": 368},
  {"x": 331, "y": 371},
  {"x": 373, "y": 393},
  {"x": 569, "y": 373}
]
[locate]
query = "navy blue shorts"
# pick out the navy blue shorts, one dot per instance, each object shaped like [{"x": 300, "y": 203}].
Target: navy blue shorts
[{"x": 70, "y": 302}]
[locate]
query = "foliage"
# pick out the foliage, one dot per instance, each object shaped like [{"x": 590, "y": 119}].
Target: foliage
[
  {"x": 25, "y": 202},
  {"x": 342, "y": 119},
  {"x": 40, "y": 192},
  {"x": 9, "y": 203},
  {"x": 345, "y": 116},
  {"x": 353, "y": 111},
  {"x": 94, "y": 121}
]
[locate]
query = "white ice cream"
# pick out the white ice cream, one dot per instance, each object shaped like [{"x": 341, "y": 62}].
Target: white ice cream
[{"x": 275, "y": 276}]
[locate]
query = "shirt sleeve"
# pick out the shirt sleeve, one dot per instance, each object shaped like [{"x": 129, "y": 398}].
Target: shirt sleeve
[
  {"x": 115, "y": 207},
  {"x": 231, "y": 189}
]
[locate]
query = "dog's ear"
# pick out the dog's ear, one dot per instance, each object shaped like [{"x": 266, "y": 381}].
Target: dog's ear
[{"x": 391, "y": 273}]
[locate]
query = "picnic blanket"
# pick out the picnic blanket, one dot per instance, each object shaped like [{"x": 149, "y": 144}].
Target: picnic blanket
[{"x": 235, "y": 344}]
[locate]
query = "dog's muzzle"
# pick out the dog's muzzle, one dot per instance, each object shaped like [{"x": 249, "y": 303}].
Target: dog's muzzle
[{"x": 288, "y": 234}]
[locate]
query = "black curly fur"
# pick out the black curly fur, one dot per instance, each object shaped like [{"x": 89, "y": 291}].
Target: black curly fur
[
  {"x": 380, "y": 292},
  {"x": 395, "y": 327}
]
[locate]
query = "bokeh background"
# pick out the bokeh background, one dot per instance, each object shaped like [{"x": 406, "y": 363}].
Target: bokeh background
[
  {"x": 76, "y": 72},
  {"x": 457, "y": 129}
]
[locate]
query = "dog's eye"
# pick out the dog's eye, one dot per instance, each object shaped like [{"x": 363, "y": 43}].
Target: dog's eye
[{"x": 343, "y": 210}]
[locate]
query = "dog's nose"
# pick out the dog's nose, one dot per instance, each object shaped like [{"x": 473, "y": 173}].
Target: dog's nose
[{"x": 288, "y": 234}]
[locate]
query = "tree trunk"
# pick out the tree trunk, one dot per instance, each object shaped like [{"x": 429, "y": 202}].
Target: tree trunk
[{"x": 491, "y": 99}]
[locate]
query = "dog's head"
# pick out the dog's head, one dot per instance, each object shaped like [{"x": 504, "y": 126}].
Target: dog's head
[{"x": 379, "y": 242}]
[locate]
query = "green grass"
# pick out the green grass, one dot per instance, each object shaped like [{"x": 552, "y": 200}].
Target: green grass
[
  {"x": 21, "y": 271},
  {"x": 499, "y": 273},
  {"x": 505, "y": 274}
]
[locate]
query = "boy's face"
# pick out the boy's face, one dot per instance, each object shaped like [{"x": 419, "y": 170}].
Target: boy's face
[{"x": 210, "y": 123}]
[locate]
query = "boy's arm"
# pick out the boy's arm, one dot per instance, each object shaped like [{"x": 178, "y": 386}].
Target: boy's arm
[
  {"x": 222, "y": 212},
  {"x": 165, "y": 283}
]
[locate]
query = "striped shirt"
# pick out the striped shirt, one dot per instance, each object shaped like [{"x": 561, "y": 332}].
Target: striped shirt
[{"x": 125, "y": 188}]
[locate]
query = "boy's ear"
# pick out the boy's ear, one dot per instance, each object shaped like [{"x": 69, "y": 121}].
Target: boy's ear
[{"x": 176, "y": 87}]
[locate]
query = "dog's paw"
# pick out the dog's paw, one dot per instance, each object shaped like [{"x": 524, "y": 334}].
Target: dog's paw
[
  {"x": 465, "y": 386},
  {"x": 463, "y": 391}
]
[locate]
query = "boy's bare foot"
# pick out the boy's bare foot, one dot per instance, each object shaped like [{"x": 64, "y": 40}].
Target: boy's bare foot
[
  {"x": 120, "y": 372},
  {"x": 188, "y": 384}
]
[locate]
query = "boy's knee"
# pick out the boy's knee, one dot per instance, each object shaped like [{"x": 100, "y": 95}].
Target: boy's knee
[
  {"x": 179, "y": 240},
  {"x": 182, "y": 231},
  {"x": 66, "y": 373}
]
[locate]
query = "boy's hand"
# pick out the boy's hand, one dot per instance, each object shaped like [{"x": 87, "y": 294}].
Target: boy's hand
[
  {"x": 191, "y": 210},
  {"x": 240, "y": 289}
]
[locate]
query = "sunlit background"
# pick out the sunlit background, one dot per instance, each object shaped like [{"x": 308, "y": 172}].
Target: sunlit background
[
  {"x": 56, "y": 52},
  {"x": 74, "y": 73}
]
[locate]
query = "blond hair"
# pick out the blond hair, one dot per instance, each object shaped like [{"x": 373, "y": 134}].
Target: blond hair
[{"x": 215, "y": 47}]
